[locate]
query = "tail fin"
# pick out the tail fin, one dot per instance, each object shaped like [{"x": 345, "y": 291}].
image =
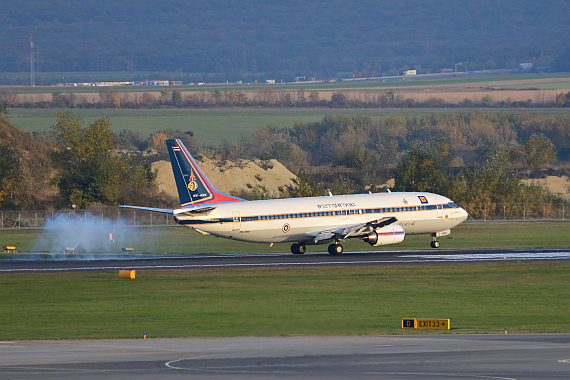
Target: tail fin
[{"x": 194, "y": 189}]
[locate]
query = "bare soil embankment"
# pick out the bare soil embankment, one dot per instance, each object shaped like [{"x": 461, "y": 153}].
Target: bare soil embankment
[
  {"x": 556, "y": 185},
  {"x": 227, "y": 176}
]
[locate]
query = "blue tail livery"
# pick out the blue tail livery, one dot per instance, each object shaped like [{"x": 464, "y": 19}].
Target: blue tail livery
[{"x": 193, "y": 186}]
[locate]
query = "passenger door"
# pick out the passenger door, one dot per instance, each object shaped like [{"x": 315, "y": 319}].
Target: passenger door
[{"x": 236, "y": 220}]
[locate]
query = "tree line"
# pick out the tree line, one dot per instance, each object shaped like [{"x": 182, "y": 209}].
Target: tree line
[
  {"x": 473, "y": 157},
  {"x": 114, "y": 98}
]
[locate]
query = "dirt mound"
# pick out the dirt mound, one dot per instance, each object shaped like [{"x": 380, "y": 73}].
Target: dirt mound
[
  {"x": 23, "y": 143},
  {"x": 556, "y": 185},
  {"x": 34, "y": 188},
  {"x": 227, "y": 176}
]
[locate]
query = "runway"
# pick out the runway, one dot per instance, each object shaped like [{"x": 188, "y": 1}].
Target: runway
[
  {"x": 83, "y": 262},
  {"x": 521, "y": 356}
]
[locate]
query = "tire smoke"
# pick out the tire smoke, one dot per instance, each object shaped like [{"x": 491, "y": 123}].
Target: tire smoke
[{"x": 88, "y": 234}]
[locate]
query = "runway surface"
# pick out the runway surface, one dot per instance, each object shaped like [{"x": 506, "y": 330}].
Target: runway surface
[
  {"x": 82, "y": 262},
  {"x": 521, "y": 356}
]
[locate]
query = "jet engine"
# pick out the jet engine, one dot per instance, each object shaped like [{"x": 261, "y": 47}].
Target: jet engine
[{"x": 392, "y": 234}]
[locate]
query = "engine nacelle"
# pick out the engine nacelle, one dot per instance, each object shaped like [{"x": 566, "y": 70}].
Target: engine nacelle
[{"x": 392, "y": 234}]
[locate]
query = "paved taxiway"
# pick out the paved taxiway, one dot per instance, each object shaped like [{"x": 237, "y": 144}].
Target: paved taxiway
[
  {"x": 61, "y": 263},
  {"x": 499, "y": 356}
]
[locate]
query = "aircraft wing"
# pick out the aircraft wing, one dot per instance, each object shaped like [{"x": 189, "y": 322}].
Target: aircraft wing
[{"x": 354, "y": 230}]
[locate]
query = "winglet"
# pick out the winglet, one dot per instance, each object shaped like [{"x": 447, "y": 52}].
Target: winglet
[{"x": 194, "y": 188}]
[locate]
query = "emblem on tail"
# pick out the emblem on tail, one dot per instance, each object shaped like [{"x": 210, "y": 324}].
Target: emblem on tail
[{"x": 193, "y": 186}]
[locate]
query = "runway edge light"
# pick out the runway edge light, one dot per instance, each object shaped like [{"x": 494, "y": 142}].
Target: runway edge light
[{"x": 127, "y": 274}]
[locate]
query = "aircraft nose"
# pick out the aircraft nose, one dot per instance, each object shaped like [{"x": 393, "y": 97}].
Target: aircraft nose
[{"x": 464, "y": 214}]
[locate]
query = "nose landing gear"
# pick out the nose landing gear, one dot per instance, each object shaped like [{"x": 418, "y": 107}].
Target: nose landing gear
[{"x": 434, "y": 242}]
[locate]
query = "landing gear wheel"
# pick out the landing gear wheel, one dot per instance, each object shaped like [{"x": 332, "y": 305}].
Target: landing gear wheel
[
  {"x": 435, "y": 244},
  {"x": 335, "y": 249},
  {"x": 298, "y": 249}
]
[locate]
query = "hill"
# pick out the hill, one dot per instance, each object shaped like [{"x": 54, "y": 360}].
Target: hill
[
  {"x": 25, "y": 172},
  {"x": 289, "y": 38}
]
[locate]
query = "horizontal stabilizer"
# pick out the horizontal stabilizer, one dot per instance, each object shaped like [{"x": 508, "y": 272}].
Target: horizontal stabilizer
[
  {"x": 197, "y": 210},
  {"x": 162, "y": 210}
]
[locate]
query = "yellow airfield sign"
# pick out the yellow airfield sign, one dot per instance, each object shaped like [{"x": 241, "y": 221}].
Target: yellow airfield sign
[{"x": 420, "y": 323}]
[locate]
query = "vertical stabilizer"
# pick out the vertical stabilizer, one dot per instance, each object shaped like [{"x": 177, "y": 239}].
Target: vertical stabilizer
[{"x": 194, "y": 188}]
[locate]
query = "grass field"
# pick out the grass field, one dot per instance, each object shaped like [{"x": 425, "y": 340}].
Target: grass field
[
  {"x": 181, "y": 240},
  {"x": 212, "y": 126},
  {"x": 556, "y": 84},
  {"x": 478, "y": 298}
]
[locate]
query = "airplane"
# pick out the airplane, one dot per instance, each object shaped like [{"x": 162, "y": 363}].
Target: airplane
[{"x": 377, "y": 219}]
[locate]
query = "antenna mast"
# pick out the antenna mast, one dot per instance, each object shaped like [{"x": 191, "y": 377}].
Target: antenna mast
[{"x": 32, "y": 76}]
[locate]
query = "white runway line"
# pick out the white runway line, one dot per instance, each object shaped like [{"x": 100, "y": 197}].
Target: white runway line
[
  {"x": 405, "y": 259},
  {"x": 499, "y": 256}
]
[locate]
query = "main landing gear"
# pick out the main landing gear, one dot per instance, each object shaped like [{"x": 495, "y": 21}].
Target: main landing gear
[
  {"x": 335, "y": 249},
  {"x": 298, "y": 249},
  {"x": 434, "y": 242}
]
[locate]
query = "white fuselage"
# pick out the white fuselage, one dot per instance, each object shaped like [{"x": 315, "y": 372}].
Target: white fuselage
[{"x": 301, "y": 219}]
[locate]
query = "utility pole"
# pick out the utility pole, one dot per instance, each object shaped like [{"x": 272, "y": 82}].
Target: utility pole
[{"x": 32, "y": 76}]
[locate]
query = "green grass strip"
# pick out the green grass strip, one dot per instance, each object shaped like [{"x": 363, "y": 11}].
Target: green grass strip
[{"x": 478, "y": 298}]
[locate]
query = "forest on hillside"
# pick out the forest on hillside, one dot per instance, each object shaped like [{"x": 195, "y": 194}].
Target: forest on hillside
[
  {"x": 475, "y": 158},
  {"x": 281, "y": 39}
]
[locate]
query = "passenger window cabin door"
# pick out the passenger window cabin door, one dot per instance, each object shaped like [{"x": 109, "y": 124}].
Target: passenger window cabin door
[
  {"x": 348, "y": 214},
  {"x": 439, "y": 208},
  {"x": 236, "y": 220}
]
